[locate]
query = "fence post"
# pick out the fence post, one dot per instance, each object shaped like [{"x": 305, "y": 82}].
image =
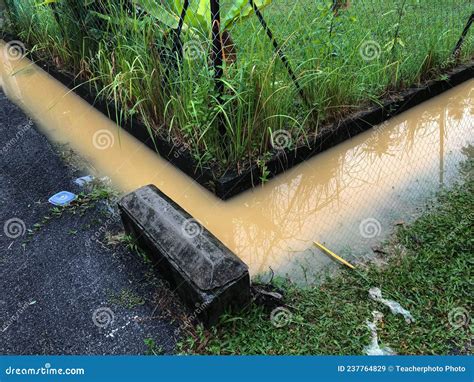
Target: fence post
[
  {"x": 54, "y": 10},
  {"x": 177, "y": 44},
  {"x": 217, "y": 56},
  {"x": 457, "y": 49},
  {"x": 279, "y": 51}
]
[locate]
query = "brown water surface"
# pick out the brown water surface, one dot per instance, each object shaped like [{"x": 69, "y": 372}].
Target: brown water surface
[{"x": 347, "y": 197}]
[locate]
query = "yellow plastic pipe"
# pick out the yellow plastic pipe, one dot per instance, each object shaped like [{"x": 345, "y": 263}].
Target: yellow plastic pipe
[{"x": 338, "y": 258}]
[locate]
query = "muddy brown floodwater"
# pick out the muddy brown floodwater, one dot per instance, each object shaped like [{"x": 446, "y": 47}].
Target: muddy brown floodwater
[{"x": 347, "y": 197}]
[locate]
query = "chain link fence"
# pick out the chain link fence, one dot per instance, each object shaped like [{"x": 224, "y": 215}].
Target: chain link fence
[
  {"x": 240, "y": 80},
  {"x": 225, "y": 77}
]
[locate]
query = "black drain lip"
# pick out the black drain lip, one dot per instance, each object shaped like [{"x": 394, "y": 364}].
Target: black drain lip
[{"x": 233, "y": 182}]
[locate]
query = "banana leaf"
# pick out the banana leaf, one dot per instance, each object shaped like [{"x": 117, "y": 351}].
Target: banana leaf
[
  {"x": 159, "y": 12},
  {"x": 241, "y": 9},
  {"x": 198, "y": 15}
]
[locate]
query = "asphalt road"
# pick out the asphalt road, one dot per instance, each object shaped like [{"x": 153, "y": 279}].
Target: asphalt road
[{"x": 62, "y": 291}]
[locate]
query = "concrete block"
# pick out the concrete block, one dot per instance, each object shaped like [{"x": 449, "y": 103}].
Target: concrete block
[{"x": 207, "y": 276}]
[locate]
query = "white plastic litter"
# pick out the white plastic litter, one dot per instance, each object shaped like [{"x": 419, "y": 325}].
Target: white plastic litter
[
  {"x": 374, "y": 347},
  {"x": 376, "y": 295},
  {"x": 83, "y": 180}
]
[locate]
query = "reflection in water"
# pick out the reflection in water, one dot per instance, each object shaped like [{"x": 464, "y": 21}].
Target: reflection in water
[{"x": 375, "y": 178}]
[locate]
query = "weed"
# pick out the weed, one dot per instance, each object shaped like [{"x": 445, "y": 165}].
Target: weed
[
  {"x": 152, "y": 347},
  {"x": 132, "y": 245},
  {"x": 85, "y": 201},
  {"x": 127, "y": 299}
]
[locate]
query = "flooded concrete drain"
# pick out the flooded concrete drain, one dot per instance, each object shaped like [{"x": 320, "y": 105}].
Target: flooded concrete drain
[{"x": 272, "y": 227}]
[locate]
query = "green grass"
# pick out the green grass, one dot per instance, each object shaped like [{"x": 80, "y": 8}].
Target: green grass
[
  {"x": 124, "y": 57},
  {"x": 428, "y": 272},
  {"x": 127, "y": 299}
]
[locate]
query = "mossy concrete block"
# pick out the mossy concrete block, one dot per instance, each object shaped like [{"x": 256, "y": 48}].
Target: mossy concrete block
[{"x": 207, "y": 275}]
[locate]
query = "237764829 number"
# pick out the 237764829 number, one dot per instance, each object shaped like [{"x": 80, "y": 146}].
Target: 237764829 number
[{"x": 362, "y": 369}]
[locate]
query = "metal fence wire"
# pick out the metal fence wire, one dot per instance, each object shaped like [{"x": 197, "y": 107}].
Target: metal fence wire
[{"x": 224, "y": 76}]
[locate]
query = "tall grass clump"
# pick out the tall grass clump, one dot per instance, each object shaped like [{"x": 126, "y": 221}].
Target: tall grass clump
[{"x": 344, "y": 59}]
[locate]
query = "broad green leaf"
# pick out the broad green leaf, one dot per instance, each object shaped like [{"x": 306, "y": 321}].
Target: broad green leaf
[
  {"x": 46, "y": 2},
  {"x": 240, "y": 10},
  {"x": 155, "y": 9},
  {"x": 198, "y": 15}
]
